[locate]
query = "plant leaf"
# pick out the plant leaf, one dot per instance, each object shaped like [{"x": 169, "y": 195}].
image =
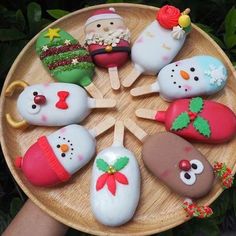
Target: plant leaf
[
  {"x": 182, "y": 121},
  {"x": 230, "y": 26},
  {"x": 202, "y": 126},
  {"x": 230, "y": 40},
  {"x": 102, "y": 165},
  {"x": 57, "y": 13},
  {"x": 196, "y": 104},
  {"x": 20, "y": 19},
  {"x": 34, "y": 14},
  {"x": 15, "y": 206},
  {"x": 11, "y": 35},
  {"x": 121, "y": 163}
]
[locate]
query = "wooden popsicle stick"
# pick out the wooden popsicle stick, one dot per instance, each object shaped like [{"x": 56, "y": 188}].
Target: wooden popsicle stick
[
  {"x": 142, "y": 90},
  {"x": 186, "y": 11},
  {"x": 114, "y": 78},
  {"x": 93, "y": 91},
  {"x": 102, "y": 126},
  {"x": 119, "y": 133},
  {"x": 137, "y": 131},
  {"x": 146, "y": 113},
  {"x": 131, "y": 78},
  {"x": 102, "y": 103}
]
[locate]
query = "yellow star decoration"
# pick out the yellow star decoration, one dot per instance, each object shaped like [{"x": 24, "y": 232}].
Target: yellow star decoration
[{"x": 52, "y": 33}]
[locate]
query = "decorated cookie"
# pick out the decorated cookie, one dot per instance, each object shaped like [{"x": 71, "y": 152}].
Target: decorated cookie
[
  {"x": 196, "y": 76},
  {"x": 159, "y": 43},
  {"x": 54, "y": 158},
  {"x": 115, "y": 187},
  {"x": 108, "y": 41},
  {"x": 53, "y": 104},
  {"x": 66, "y": 60},
  {"x": 182, "y": 167},
  {"x": 196, "y": 119}
]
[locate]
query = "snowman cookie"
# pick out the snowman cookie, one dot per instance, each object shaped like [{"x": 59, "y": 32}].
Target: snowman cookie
[
  {"x": 115, "y": 187},
  {"x": 66, "y": 60},
  {"x": 55, "y": 158},
  {"x": 53, "y": 104},
  {"x": 159, "y": 42},
  {"x": 196, "y": 76},
  {"x": 108, "y": 40},
  {"x": 196, "y": 120},
  {"x": 182, "y": 167}
]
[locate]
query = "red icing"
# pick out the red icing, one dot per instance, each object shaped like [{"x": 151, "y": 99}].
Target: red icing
[
  {"x": 185, "y": 165},
  {"x": 110, "y": 59},
  {"x": 39, "y": 99},
  {"x": 61, "y": 104},
  {"x": 222, "y": 121},
  {"x": 168, "y": 16},
  {"x": 111, "y": 184}
]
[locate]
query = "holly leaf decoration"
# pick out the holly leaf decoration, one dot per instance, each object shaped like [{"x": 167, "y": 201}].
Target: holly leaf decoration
[
  {"x": 121, "y": 163},
  {"x": 202, "y": 126},
  {"x": 102, "y": 165},
  {"x": 182, "y": 121},
  {"x": 196, "y": 105}
]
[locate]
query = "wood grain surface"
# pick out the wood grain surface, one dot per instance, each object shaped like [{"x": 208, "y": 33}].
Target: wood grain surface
[{"x": 159, "y": 209}]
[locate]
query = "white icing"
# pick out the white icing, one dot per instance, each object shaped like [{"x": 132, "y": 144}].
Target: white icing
[
  {"x": 171, "y": 85},
  {"x": 178, "y": 32},
  {"x": 190, "y": 181},
  {"x": 217, "y": 75},
  {"x": 48, "y": 114},
  {"x": 116, "y": 210},
  {"x": 81, "y": 146},
  {"x": 200, "y": 166},
  {"x": 155, "y": 48}
]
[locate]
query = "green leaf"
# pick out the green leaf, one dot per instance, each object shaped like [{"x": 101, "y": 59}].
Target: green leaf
[
  {"x": 230, "y": 40},
  {"x": 57, "y": 13},
  {"x": 182, "y": 121},
  {"x": 34, "y": 14},
  {"x": 11, "y": 35},
  {"x": 20, "y": 19},
  {"x": 121, "y": 163},
  {"x": 230, "y": 26},
  {"x": 102, "y": 165},
  {"x": 196, "y": 104},
  {"x": 202, "y": 126},
  {"x": 15, "y": 206}
]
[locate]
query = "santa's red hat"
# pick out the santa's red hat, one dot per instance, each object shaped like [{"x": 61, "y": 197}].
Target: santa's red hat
[
  {"x": 103, "y": 14},
  {"x": 41, "y": 166}
]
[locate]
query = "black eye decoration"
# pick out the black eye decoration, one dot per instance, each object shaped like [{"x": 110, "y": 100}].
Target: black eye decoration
[
  {"x": 176, "y": 64},
  {"x": 194, "y": 166},
  {"x": 98, "y": 25},
  {"x": 35, "y": 93},
  {"x": 187, "y": 176},
  {"x": 192, "y": 69},
  {"x": 174, "y": 82},
  {"x": 63, "y": 154},
  {"x": 173, "y": 70},
  {"x": 111, "y": 23},
  {"x": 58, "y": 146},
  {"x": 179, "y": 86},
  {"x": 34, "y": 106},
  {"x": 196, "y": 78}
]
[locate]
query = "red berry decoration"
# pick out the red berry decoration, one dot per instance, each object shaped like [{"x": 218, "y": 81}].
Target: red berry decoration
[
  {"x": 39, "y": 99},
  {"x": 185, "y": 165}
]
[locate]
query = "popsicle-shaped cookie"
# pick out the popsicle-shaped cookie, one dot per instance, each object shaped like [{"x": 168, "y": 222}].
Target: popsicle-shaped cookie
[
  {"x": 182, "y": 167},
  {"x": 108, "y": 40},
  {"x": 196, "y": 120},
  {"x": 66, "y": 60},
  {"x": 53, "y": 159},
  {"x": 159, "y": 42},
  {"x": 195, "y": 76},
  {"x": 53, "y": 104},
  {"x": 115, "y": 187}
]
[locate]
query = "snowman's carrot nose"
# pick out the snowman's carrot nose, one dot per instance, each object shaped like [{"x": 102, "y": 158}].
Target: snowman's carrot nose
[
  {"x": 64, "y": 147},
  {"x": 184, "y": 75}
]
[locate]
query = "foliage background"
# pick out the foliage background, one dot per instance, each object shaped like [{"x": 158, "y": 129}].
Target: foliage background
[{"x": 20, "y": 20}]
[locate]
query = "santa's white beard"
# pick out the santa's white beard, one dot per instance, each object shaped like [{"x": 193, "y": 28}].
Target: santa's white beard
[{"x": 111, "y": 37}]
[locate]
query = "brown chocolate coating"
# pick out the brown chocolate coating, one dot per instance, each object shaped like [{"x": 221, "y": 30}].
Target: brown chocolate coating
[{"x": 162, "y": 153}]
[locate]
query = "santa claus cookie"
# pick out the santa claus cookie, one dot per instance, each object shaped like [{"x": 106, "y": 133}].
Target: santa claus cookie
[
  {"x": 199, "y": 75},
  {"x": 53, "y": 104},
  {"x": 196, "y": 119},
  {"x": 159, "y": 43},
  {"x": 108, "y": 41},
  {"x": 54, "y": 158},
  {"x": 115, "y": 187},
  {"x": 66, "y": 60},
  {"x": 182, "y": 167}
]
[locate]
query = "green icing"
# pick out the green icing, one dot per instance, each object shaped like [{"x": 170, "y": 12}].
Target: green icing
[
  {"x": 182, "y": 121},
  {"x": 202, "y": 126},
  {"x": 81, "y": 73},
  {"x": 42, "y": 40},
  {"x": 196, "y": 105},
  {"x": 65, "y": 55}
]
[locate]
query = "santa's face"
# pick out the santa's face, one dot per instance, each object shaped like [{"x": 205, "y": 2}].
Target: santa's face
[
  {"x": 182, "y": 79},
  {"x": 103, "y": 27},
  {"x": 73, "y": 145},
  {"x": 53, "y": 104}
]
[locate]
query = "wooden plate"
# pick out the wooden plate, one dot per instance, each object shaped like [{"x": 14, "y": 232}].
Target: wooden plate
[{"x": 159, "y": 209}]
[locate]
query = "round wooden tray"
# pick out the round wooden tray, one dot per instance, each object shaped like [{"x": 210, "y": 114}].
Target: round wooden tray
[{"x": 159, "y": 209}]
